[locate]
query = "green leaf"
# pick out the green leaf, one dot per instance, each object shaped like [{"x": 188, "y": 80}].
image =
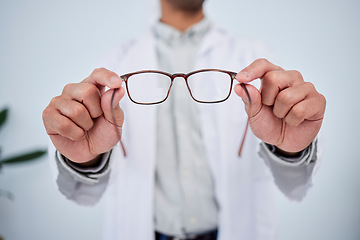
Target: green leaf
[
  {"x": 7, "y": 194},
  {"x": 3, "y": 116},
  {"x": 24, "y": 157}
]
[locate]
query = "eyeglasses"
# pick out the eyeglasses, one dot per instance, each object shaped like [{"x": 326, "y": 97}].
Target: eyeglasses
[{"x": 151, "y": 87}]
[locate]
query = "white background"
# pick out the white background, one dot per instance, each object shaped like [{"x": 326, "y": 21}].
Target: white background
[{"x": 46, "y": 44}]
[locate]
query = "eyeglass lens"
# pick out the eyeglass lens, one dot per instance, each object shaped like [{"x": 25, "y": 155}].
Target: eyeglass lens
[
  {"x": 210, "y": 86},
  {"x": 148, "y": 87}
]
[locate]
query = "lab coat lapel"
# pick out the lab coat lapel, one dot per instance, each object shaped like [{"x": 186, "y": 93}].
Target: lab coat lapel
[
  {"x": 222, "y": 127},
  {"x": 137, "y": 177},
  {"x": 216, "y": 117}
]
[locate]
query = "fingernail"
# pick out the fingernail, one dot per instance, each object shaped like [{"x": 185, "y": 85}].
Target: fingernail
[
  {"x": 115, "y": 79},
  {"x": 243, "y": 75}
]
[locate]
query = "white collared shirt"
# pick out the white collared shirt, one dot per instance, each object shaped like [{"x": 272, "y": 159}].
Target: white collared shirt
[{"x": 184, "y": 191}]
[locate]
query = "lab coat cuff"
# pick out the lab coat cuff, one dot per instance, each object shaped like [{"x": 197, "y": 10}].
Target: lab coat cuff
[
  {"x": 89, "y": 175},
  {"x": 306, "y": 156}
]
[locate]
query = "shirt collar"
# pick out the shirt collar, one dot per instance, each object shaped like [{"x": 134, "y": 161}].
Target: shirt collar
[{"x": 168, "y": 33}]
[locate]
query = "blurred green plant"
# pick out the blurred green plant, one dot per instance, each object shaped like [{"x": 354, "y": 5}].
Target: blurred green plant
[{"x": 17, "y": 159}]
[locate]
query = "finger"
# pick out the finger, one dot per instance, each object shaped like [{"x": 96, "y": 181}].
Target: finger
[
  {"x": 309, "y": 109},
  {"x": 275, "y": 81},
  {"x": 288, "y": 97},
  {"x": 57, "y": 124},
  {"x": 74, "y": 111},
  {"x": 103, "y": 77},
  {"x": 110, "y": 106},
  {"x": 87, "y": 94},
  {"x": 255, "y": 70},
  {"x": 252, "y": 105}
]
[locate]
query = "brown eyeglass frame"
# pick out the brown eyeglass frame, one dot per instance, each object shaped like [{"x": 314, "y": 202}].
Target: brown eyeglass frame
[{"x": 232, "y": 75}]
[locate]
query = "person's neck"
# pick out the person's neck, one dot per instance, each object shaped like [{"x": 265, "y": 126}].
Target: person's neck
[{"x": 179, "y": 19}]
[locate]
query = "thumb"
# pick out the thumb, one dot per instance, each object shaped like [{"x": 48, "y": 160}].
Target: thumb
[{"x": 251, "y": 97}]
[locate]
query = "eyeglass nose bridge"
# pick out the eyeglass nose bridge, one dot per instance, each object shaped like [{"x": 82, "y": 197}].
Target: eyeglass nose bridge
[
  {"x": 176, "y": 75},
  {"x": 179, "y": 75},
  {"x": 185, "y": 77}
]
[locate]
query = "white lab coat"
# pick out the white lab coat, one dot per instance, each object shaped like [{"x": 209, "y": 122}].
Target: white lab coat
[{"x": 244, "y": 185}]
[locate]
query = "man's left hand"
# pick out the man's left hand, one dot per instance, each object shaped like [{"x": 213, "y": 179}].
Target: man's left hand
[{"x": 286, "y": 112}]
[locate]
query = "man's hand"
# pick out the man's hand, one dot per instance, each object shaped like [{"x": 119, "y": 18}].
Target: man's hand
[
  {"x": 287, "y": 112},
  {"x": 79, "y": 121}
]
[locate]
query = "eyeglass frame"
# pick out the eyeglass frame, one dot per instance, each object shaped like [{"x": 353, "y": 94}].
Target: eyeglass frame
[
  {"x": 232, "y": 75},
  {"x": 172, "y": 77}
]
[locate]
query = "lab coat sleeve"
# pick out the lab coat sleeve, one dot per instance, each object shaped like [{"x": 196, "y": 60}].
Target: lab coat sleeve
[
  {"x": 294, "y": 177},
  {"x": 83, "y": 186}
]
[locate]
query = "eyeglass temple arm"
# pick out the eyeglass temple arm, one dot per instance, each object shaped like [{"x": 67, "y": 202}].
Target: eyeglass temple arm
[
  {"x": 114, "y": 122},
  {"x": 247, "y": 122},
  {"x": 244, "y": 137}
]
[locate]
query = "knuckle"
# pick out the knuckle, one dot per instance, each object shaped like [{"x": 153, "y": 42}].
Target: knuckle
[
  {"x": 67, "y": 129},
  {"x": 89, "y": 90},
  {"x": 76, "y": 111},
  {"x": 77, "y": 135},
  {"x": 89, "y": 126},
  {"x": 270, "y": 80},
  {"x": 98, "y": 70},
  {"x": 47, "y": 111},
  {"x": 296, "y": 74},
  {"x": 321, "y": 103},
  {"x": 46, "y": 114},
  {"x": 310, "y": 86},
  {"x": 68, "y": 87},
  {"x": 50, "y": 109},
  {"x": 64, "y": 127},
  {"x": 285, "y": 98},
  {"x": 271, "y": 77},
  {"x": 278, "y": 113},
  {"x": 298, "y": 112},
  {"x": 262, "y": 61},
  {"x": 323, "y": 99},
  {"x": 54, "y": 101},
  {"x": 293, "y": 121}
]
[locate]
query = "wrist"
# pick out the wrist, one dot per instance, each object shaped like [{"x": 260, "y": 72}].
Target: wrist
[
  {"x": 286, "y": 153},
  {"x": 91, "y": 163}
]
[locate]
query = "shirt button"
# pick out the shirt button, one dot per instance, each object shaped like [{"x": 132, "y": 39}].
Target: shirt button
[
  {"x": 182, "y": 127},
  {"x": 186, "y": 173},
  {"x": 192, "y": 220}
]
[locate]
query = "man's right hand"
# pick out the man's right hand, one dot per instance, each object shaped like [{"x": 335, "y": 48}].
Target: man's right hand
[{"x": 80, "y": 122}]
